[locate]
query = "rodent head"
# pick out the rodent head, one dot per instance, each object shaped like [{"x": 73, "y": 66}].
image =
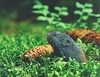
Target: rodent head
[
  {"x": 56, "y": 38},
  {"x": 63, "y": 44}
]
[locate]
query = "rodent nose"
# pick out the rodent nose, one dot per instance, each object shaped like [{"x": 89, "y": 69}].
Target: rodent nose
[{"x": 47, "y": 34}]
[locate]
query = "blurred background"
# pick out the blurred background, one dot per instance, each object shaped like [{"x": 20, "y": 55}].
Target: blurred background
[
  {"x": 20, "y": 10},
  {"x": 12, "y": 11}
]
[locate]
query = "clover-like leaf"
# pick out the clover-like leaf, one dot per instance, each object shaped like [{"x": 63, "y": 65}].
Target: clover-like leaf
[
  {"x": 45, "y": 12},
  {"x": 78, "y": 12},
  {"x": 88, "y": 5},
  {"x": 54, "y": 22},
  {"x": 62, "y": 25},
  {"x": 45, "y": 7},
  {"x": 43, "y": 18},
  {"x": 57, "y": 8},
  {"x": 85, "y": 17},
  {"x": 64, "y": 8},
  {"x": 54, "y": 14},
  {"x": 64, "y": 13},
  {"x": 37, "y": 6},
  {"x": 95, "y": 15},
  {"x": 50, "y": 20},
  {"x": 79, "y": 5},
  {"x": 37, "y": 11},
  {"x": 87, "y": 10}
]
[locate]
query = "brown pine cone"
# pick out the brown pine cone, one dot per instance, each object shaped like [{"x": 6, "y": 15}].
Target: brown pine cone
[
  {"x": 87, "y": 36},
  {"x": 37, "y": 51}
]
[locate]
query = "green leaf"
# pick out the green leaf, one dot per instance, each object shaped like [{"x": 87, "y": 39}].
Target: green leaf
[
  {"x": 79, "y": 5},
  {"x": 37, "y": 11},
  {"x": 57, "y": 8},
  {"x": 95, "y": 15},
  {"x": 58, "y": 19},
  {"x": 50, "y": 20},
  {"x": 88, "y": 5},
  {"x": 88, "y": 10},
  {"x": 78, "y": 12},
  {"x": 45, "y": 7},
  {"x": 64, "y": 8},
  {"x": 54, "y": 22},
  {"x": 63, "y": 13},
  {"x": 85, "y": 17},
  {"x": 42, "y": 18},
  {"x": 54, "y": 14},
  {"x": 62, "y": 25},
  {"x": 37, "y": 6},
  {"x": 45, "y": 12}
]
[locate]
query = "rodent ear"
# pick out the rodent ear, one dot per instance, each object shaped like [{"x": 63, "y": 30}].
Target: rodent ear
[{"x": 66, "y": 42}]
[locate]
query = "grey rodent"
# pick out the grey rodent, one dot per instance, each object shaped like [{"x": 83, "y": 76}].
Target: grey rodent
[{"x": 64, "y": 45}]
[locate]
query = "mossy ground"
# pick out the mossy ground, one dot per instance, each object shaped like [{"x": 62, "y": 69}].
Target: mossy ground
[{"x": 16, "y": 38}]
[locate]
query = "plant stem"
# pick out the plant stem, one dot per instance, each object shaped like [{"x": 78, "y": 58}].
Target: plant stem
[{"x": 78, "y": 21}]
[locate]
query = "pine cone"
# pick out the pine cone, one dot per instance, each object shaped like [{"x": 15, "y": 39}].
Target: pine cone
[
  {"x": 37, "y": 51},
  {"x": 87, "y": 36}
]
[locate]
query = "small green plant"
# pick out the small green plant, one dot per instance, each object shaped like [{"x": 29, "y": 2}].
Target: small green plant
[
  {"x": 84, "y": 11},
  {"x": 54, "y": 19},
  {"x": 90, "y": 49},
  {"x": 96, "y": 25}
]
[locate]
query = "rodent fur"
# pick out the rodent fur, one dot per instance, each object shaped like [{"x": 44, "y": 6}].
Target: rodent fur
[{"x": 64, "y": 45}]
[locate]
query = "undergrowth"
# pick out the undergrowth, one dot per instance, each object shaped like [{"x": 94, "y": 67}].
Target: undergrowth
[
  {"x": 12, "y": 46},
  {"x": 16, "y": 38}
]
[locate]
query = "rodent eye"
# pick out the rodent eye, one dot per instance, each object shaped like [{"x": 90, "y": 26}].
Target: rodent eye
[{"x": 66, "y": 42}]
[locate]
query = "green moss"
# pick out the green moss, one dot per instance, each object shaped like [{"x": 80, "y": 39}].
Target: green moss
[{"x": 20, "y": 37}]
